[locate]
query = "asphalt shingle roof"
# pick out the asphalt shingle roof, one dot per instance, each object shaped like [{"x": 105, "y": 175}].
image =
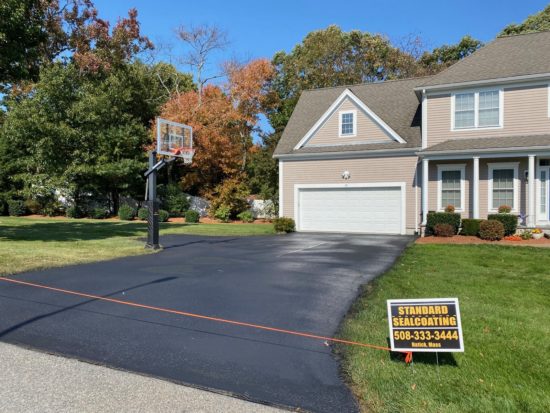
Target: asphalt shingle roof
[
  {"x": 501, "y": 142},
  {"x": 519, "y": 55},
  {"x": 394, "y": 102}
]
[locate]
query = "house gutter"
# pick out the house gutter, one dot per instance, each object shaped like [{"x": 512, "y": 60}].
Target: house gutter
[
  {"x": 347, "y": 155},
  {"x": 500, "y": 80},
  {"x": 495, "y": 151}
]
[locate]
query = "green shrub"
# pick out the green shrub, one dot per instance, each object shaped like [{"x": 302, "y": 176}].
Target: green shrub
[
  {"x": 504, "y": 209},
  {"x": 192, "y": 216},
  {"x": 246, "y": 216},
  {"x": 175, "y": 202},
  {"x": 53, "y": 208},
  {"x": 163, "y": 215},
  {"x": 16, "y": 207},
  {"x": 99, "y": 213},
  {"x": 33, "y": 206},
  {"x": 509, "y": 221},
  {"x": 284, "y": 224},
  {"x": 470, "y": 227},
  {"x": 444, "y": 230},
  {"x": 491, "y": 230},
  {"x": 143, "y": 214},
  {"x": 126, "y": 213},
  {"x": 73, "y": 212},
  {"x": 435, "y": 218},
  {"x": 230, "y": 194},
  {"x": 223, "y": 213}
]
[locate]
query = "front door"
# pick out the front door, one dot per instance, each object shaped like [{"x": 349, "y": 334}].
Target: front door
[{"x": 543, "y": 200}]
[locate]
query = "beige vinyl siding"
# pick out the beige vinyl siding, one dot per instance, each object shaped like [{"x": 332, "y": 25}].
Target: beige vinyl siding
[
  {"x": 525, "y": 113},
  {"x": 483, "y": 184},
  {"x": 370, "y": 170},
  {"x": 368, "y": 131}
]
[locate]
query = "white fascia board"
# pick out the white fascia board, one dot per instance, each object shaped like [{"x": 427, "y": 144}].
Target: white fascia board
[{"x": 348, "y": 94}]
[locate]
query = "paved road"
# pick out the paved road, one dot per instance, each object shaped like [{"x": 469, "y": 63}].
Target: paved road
[
  {"x": 302, "y": 282},
  {"x": 33, "y": 381}
]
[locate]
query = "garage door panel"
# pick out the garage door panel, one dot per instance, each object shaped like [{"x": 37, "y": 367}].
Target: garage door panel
[{"x": 366, "y": 209}]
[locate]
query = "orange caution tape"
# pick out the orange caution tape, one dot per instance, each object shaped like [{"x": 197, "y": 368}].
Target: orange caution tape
[{"x": 408, "y": 355}]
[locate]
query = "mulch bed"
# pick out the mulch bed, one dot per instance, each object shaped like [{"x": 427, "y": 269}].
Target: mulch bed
[{"x": 463, "y": 239}]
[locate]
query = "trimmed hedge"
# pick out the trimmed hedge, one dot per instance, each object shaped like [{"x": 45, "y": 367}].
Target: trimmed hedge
[
  {"x": 163, "y": 215},
  {"x": 444, "y": 230},
  {"x": 246, "y": 216},
  {"x": 143, "y": 214},
  {"x": 435, "y": 218},
  {"x": 509, "y": 221},
  {"x": 16, "y": 207},
  {"x": 99, "y": 213},
  {"x": 126, "y": 213},
  {"x": 284, "y": 224},
  {"x": 491, "y": 230},
  {"x": 192, "y": 216},
  {"x": 470, "y": 227}
]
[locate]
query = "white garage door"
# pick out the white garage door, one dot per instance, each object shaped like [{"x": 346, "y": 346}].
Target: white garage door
[{"x": 369, "y": 210}]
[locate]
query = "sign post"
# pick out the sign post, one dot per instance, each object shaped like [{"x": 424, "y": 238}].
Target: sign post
[{"x": 430, "y": 324}]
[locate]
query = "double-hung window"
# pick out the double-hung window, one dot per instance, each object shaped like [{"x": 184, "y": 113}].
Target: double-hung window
[
  {"x": 451, "y": 186},
  {"x": 503, "y": 186},
  {"x": 348, "y": 123},
  {"x": 477, "y": 110}
]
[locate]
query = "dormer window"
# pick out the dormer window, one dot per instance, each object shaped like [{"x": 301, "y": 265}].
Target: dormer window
[
  {"x": 473, "y": 110},
  {"x": 348, "y": 123}
]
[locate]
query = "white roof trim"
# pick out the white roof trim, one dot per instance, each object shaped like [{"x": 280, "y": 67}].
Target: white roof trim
[{"x": 347, "y": 94}]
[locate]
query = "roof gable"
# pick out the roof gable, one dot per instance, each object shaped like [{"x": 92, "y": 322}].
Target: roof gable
[
  {"x": 330, "y": 118},
  {"x": 394, "y": 103}
]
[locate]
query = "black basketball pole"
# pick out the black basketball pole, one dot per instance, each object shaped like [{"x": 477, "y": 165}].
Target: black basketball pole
[{"x": 152, "y": 203}]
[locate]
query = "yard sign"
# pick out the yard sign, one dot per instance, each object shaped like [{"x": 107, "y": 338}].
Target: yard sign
[{"x": 427, "y": 324}]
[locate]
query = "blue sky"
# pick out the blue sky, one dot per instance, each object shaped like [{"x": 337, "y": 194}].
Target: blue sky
[
  {"x": 261, "y": 28},
  {"x": 258, "y": 29}
]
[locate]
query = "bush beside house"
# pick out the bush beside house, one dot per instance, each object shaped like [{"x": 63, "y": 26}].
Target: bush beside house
[{"x": 450, "y": 218}]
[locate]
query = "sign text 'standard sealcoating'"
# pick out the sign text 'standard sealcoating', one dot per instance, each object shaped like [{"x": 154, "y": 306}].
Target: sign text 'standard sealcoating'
[{"x": 430, "y": 324}]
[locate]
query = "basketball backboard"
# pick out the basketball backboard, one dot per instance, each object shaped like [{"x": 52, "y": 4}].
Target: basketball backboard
[{"x": 175, "y": 140}]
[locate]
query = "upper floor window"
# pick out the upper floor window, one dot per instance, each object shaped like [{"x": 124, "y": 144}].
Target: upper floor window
[
  {"x": 348, "y": 123},
  {"x": 477, "y": 109}
]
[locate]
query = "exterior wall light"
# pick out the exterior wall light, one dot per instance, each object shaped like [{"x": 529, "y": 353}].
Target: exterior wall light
[{"x": 346, "y": 175}]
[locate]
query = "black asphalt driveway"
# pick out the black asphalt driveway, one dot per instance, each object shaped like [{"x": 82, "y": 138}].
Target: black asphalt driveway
[{"x": 300, "y": 282}]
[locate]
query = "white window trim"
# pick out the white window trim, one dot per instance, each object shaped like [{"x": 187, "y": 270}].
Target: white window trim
[
  {"x": 503, "y": 165},
  {"x": 451, "y": 167},
  {"x": 549, "y": 100},
  {"x": 347, "y": 135},
  {"x": 476, "y": 109}
]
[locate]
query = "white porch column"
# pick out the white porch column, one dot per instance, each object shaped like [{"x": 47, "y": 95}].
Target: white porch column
[
  {"x": 425, "y": 172},
  {"x": 531, "y": 222},
  {"x": 475, "y": 188}
]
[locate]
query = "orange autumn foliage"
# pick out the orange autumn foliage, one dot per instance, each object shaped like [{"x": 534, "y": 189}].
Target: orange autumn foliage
[{"x": 222, "y": 124}]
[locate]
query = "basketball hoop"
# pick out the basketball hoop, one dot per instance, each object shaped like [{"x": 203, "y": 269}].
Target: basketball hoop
[
  {"x": 185, "y": 153},
  {"x": 175, "y": 140}
]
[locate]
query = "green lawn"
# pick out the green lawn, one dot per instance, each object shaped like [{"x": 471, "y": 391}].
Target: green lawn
[
  {"x": 30, "y": 244},
  {"x": 504, "y": 295}
]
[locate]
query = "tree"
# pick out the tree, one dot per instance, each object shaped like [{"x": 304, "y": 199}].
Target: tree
[
  {"x": 223, "y": 118},
  {"x": 82, "y": 133},
  {"x": 202, "y": 41},
  {"x": 33, "y": 33},
  {"x": 446, "y": 55},
  {"x": 535, "y": 23}
]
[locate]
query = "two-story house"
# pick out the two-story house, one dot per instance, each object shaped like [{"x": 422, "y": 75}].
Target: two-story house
[{"x": 376, "y": 158}]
